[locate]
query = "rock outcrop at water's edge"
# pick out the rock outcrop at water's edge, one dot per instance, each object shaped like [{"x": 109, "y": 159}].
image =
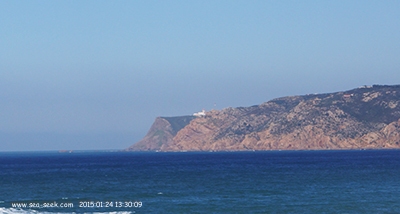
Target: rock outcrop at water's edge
[{"x": 364, "y": 118}]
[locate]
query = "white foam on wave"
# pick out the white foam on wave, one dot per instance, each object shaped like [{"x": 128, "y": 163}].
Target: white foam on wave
[
  {"x": 21, "y": 211},
  {"x": 13, "y": 210}
]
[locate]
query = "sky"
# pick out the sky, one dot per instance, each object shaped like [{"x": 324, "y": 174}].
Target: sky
[{"x": 83, "y": 75}]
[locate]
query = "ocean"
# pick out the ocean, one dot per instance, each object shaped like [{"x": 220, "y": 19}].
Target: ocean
[{"x": 201, "y": 182}]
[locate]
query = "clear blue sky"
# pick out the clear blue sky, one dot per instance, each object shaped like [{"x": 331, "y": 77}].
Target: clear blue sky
[{"x": 95, "y": 74}]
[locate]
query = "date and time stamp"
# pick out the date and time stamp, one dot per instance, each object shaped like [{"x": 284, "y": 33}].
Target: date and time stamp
[{"x": 106, "y": 204}]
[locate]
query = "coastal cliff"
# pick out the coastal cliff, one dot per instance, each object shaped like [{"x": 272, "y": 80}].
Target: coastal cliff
[
  {"x": 363, "y": 118},
  {"x": 161, "y": 133}
]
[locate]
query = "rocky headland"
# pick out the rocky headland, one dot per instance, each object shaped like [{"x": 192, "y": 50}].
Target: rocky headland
[{"x": 367, "y": 117}]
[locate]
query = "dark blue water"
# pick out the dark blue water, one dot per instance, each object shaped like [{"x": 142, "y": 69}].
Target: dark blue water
[{"x": 237, "y": 182}]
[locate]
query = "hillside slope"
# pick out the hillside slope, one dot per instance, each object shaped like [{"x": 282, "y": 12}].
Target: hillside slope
[
  {"x": 161, "y": 133},
  {"x": 362, "y": 118}
]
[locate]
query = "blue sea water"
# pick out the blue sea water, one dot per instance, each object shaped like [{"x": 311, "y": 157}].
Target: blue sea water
[{"x": 222, "y": 182}]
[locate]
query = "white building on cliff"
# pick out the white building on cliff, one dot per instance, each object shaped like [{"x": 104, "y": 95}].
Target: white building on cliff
[{"x": 200, "y": 114}]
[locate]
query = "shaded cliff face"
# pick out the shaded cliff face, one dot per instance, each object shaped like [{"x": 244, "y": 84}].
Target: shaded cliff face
[
  {"x": 161, "y": 133},
  {"x": 360, "y": 118}
]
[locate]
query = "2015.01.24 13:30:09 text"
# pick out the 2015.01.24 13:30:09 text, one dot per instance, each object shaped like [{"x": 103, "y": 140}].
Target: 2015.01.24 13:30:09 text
[{"x": 118, "y": 204}]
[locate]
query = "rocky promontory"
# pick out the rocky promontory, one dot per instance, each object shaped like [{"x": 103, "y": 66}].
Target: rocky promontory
[{"x": 367, "y": 117}]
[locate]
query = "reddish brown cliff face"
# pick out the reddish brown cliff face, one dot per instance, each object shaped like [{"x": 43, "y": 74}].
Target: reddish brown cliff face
[
  {"x": 161, "y": 133},
  {"x": 362, "y": 118}
]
